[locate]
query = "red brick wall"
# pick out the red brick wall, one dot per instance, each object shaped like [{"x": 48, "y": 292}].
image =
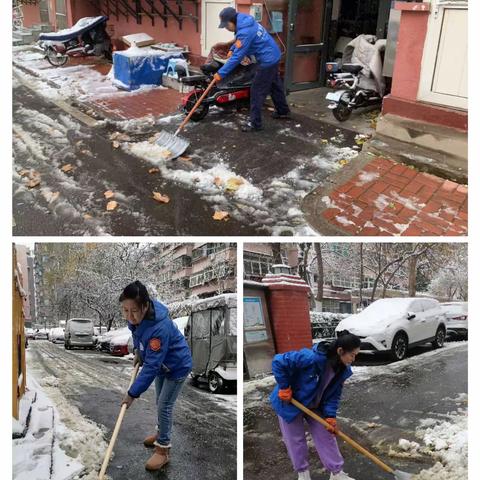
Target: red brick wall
[{"x": 290, "y": 317}]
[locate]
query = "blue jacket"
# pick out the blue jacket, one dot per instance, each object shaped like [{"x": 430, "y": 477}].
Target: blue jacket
[
  {"x": 162, "y": 348},
  {"x": 251, "y": 38},
  {"x": 302, "y": 371}
]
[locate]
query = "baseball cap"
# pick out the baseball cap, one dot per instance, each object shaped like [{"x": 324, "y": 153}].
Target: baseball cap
[{"x": 228, "y": 14}]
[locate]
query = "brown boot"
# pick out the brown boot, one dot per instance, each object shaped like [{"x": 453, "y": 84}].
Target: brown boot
[
  {"x": 150, "y": 440},
  {"x": 160, "y": 457}
]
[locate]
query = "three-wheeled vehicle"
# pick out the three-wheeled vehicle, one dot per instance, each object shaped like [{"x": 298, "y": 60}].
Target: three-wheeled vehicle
[{"x": 211, "y": 333}]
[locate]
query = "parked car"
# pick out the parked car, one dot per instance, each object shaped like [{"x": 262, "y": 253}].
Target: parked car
[
  {"x": 456, "y": 314},
  {"x": 211, "y": 333},
  {"x": 105, "y": 340},
  {"x": 98, "y": 332},
  {"x": 396, "y": 324},
  {"x": 40, "y": 334},
  {"x": 57, "y": 335},
  {"x": 79, "y": 333},
  {"x": 29, "y": 333},
  {"x": 119, "y": 342}
]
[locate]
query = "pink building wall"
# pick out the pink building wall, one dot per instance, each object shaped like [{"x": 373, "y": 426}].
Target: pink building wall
[
  {"x": 407, "y": 70},
  {"x": 31, "y": 15}
]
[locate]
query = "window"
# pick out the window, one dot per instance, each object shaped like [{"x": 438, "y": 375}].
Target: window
[{"x": 256, "y": 265}]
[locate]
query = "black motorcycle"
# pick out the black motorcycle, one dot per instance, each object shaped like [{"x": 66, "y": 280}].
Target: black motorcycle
[{"x": 231, "y": 92}]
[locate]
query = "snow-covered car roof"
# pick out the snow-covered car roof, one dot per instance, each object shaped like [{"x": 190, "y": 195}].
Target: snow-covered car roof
[
  {"x": 113, "y": 333},
  {"x": 121, "y": 338},
  {"x": 227, "y": 299}
]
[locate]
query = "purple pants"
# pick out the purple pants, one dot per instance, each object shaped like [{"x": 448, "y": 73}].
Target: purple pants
[{"x": 296, "y": 443}]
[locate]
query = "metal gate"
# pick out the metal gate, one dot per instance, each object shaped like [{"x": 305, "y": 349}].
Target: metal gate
[{"x": 307, "y": 43}]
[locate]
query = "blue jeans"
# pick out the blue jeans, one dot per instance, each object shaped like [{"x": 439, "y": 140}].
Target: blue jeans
[
  {"x": 166, "y": 394},
  {"x": 266, "y": 82}
]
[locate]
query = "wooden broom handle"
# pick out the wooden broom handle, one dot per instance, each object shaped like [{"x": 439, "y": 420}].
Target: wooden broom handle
[
  {"x": 344, "y": 437},
  {"x": 192, "y": 111},
  {"x": 108, "y": 454}
]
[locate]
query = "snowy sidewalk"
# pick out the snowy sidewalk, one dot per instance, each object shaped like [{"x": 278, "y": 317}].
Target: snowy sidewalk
[
  {"x": 38, "y": 455},
  {"x": 88, "y": 84},
  {"x": 384, "y": 197}
]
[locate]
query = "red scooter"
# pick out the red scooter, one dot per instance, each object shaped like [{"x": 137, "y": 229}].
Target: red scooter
[{"x": 231, "y": 92}]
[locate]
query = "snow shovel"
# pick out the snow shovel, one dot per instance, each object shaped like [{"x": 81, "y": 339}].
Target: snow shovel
[
  {"x": 108, "y": 454},
  {"x": 174, "y": 144},
  {"x": 399, "y": 475}
]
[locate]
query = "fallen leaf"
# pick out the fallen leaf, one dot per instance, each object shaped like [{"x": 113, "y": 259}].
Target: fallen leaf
[
  {"x": 166, "y": 154},
  {"x": 186, "y": 158},
  {"x": 33, "y": 183},
  {"x": 51, "y": 196},
  {"x": 233, "y": 184},
  {"x": 153, "y": 170},
  {"x": 112, "y": 205},
  {"x": 87, "y": 216},
  {"x": 324, "y": 141},
  {"x": 343, "y": 162},
  {"x": 218, "y": 181},
  {"x": 391, "y": 205},
  {"x": 24, "y": 172},
  {"x": 221, "y": 216},
  {"x": 67, "y": 168},
  {"x": 109, "y": 194},
  {"x": 161, "y": 198},
  {"x": 115, "y": 144}
]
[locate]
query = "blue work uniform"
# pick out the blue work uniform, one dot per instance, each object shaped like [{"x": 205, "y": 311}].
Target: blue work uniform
[
  {"x": 251, "y": 38},
  {"x": 303, "y": 371},
  {"x": 162, "y": 348}
]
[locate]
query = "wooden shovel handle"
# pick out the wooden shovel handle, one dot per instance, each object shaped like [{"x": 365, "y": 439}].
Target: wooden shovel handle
[
  {"x": 108, "y": 453},
  {"x": 344, "y": 437},
  {"x": 192, "y": 111}
]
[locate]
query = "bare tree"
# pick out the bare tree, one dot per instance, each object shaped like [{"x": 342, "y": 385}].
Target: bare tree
[{"x": 320, "y": 278}]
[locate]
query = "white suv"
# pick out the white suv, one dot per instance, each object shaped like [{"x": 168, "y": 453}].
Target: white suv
[
  {"x": 456, "y": 314},
  {"x": 396, "y": 324}
]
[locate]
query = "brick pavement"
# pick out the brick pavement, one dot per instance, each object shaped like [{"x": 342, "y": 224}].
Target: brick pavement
[{"x": 389, "y": 198}]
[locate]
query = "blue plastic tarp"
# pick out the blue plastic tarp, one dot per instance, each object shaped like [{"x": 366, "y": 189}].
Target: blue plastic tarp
[
  {"x": 135, "y": 67},
  {"x": 80, "y": 27}
]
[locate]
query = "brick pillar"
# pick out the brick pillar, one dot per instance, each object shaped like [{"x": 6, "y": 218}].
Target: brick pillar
[{"x": 289, "y": 312}]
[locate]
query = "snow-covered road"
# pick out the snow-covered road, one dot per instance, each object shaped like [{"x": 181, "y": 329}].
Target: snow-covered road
[
  {"x": 93, "y": 384},
  {"x": 259, "y": 179},
  {"x": 386, "y": 408}
]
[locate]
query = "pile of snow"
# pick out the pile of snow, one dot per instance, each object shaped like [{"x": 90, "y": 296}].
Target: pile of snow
[
  {"x": 447, "y": 442},
  {"x": 59, "y": 442}
]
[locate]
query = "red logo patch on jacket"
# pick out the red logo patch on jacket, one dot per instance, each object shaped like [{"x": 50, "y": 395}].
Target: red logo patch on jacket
[{"x": 155, "y": 344}]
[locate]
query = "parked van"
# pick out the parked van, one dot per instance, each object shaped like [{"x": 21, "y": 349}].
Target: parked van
[
  {"x": 79, "y": 333},
  {"x": 211, "y": 333}
]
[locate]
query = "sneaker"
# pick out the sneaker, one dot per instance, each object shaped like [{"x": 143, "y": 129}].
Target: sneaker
[
  {"x": 304, "y": 475},
  {"x": 340, "y": 476},
  {"x": 248, "y": 127},
  {"x": 281, "y": 116}
]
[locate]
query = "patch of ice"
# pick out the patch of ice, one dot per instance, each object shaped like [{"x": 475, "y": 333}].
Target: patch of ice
[
  {"x": 381, "y": 202},
  {"x": 344, "y": 220}
]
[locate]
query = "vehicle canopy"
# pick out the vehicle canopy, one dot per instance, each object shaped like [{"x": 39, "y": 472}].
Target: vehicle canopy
[
  {"x": 82, "y": 26},
  {"x": 211, "y": 333}
]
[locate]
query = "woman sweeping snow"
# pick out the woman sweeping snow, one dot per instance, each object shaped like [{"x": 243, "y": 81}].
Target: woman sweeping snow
[
  {"x": 315, "y": 378},
  {"x": 163, "y": 353}
]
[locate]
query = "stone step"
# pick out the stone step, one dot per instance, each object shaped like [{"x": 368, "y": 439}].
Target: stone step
[
  {"x": 17, "y": 42},
  {"x": 26, "y": 37}
]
